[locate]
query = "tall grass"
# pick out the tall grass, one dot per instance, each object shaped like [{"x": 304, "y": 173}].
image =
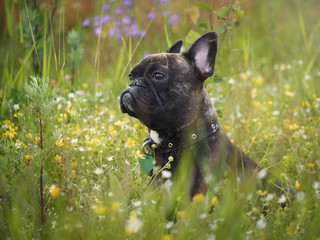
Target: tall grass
[{"x": 69, "y": 158}]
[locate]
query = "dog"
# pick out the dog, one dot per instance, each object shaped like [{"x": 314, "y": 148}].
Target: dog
[{"x": 167, "y": 94}]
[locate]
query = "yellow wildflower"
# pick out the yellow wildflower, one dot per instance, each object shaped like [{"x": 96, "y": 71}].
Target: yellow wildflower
[
  {"x": 27, "y": 157},
  {"x": 130, "y": 142},
  {"x": 260, "y": 80},
  {"x": 298, "y": 186},
  {"x": 243, "y": 76},
  {"x": 214, "y": 201},
  {"x": 139, "y": 154},
  {"x": 74, "y": 174},
  {"x": 119, "y": 123},
  {"x": 59, "y": 143},
  {"x": 58, "y": 158},
  {"x": 289, "y": 94},
  {"x": 112, "y": 131},
  {"x": 115, "y": 206},
  {"x": 226, "y": 127},
  {"x": 54, "y": 191},
  {"x": 261, "y": 193},
  {"x": 101, "y": 210},
  {"x": 167, "y": 237},
  {"x": 198, "y": 198},
  {"x": 309, "y": 144},
  {"x": 310, "y": 165},
  {"x": 74, "y": 164},
  {"x": 84, "y": 85},
  {"x": 270, "y": 103},
  {"x": 183, "y": 215}
]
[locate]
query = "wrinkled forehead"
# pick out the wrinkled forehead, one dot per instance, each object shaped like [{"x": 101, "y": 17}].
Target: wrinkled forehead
[{"x": 165, "y": 60}]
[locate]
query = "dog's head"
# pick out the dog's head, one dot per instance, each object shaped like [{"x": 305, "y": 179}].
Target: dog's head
[{"x": 166, "y": 89}]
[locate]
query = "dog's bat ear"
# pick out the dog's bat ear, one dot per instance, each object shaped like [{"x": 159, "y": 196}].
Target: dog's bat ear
[
  {"x": 175, "y": 48},
  {"x": 202, "y": 54}
]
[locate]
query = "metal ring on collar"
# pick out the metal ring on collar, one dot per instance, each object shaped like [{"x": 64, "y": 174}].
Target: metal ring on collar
[{"x": 170, "y": 145}]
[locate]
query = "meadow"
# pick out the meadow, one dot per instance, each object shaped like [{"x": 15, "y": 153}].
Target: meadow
[{"x": 69, "y": 158}]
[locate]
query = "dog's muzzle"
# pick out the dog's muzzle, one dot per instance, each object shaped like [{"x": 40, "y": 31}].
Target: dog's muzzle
[{"x": 127, "y": 102}]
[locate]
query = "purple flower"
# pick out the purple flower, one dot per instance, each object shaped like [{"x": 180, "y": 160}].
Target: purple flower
[
  {"x": 151, "y": 15},
  {"x": 143, "y": 33},
  {"x": 134, "y": 30},
  {"x": 97, "y": 31},
  {"x": 96, "y": 21},
  {"x": 128, "y": 3},
  {"x": 119, "y": 10},
  {"x": 163, "y": 2},
  {"x": 107, "y": 7},
  {"x": 126, "y": 20},
  {"x": 86, "y": 22},
  {"x": 112, "y": 32},
  {"x": 106, "y": 19},
  {"x": 174, "y": 20},
  {"x": 117, "y": 24}
]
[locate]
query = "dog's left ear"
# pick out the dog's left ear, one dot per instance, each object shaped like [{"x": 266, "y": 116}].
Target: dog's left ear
[
  {"x": 202, "y": 54},
  {"x": 175, "y": 48}
]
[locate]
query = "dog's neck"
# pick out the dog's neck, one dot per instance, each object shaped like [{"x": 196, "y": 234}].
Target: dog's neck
[{"x": 205, "y": 115}]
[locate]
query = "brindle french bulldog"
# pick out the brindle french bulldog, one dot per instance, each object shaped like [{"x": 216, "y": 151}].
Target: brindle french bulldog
[{"x": 167, "y": 94}]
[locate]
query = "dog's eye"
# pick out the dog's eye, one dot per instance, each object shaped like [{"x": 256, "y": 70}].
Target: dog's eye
[{"x": 159, "y": 76}]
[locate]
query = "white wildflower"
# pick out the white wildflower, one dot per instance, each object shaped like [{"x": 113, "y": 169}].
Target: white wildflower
[
  {"x": 136, "y": 204},
  {"x": 261, "y": 223},
  {"x": 98, "y": 171},
  {"x": 282, "y": 199},
  {"x": 110, "y": 158},
  {"x": 16, "y": 107},
  {"x": 168, "y": 225},
  {"x": 300, "y": 196},
  {"x": 166, "y": 174},
  {"x": 262, "y": 174}
]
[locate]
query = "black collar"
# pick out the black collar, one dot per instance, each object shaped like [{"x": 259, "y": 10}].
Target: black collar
[{"x": 198, "y": 135}]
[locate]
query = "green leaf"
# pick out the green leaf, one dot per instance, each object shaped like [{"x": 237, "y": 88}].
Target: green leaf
[
  {"x": 220, "y": 114},
  {"x": 222, "y": 12},
  {"x": 191, "y": 37},
  {"x": 146, "y": 163},
  {"x": 223, "y": 29},
  {"x": 239, "y": 14},
  {"x": 204, "y": 6},
  {"x": 217, "y": 78},
  {"x": 203, "y": 26}
]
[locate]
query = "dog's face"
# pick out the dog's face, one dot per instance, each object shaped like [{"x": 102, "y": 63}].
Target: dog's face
[{"x": 165, "y": 90}]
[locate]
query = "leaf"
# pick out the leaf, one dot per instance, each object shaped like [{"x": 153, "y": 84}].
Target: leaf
[
  {"x": 191, "y": 37},
  {"x": 239, "y": 14},
  {"x": 220, "y": 114},
  {"x": 222, "y": 12},
  {"x": 146, "y": 163},
  {"x": 204, "y": 6},
  {"x": 203, "y": 26},
  {"x": 217, "y": 78},
  {"x": 223, "y": 29}
]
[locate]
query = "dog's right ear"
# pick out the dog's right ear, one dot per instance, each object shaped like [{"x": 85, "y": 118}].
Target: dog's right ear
[
  {"x": 175, "y": 48},
  {"x": 202, "y": 54}
]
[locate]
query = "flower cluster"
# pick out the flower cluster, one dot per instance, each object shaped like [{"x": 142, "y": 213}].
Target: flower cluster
[{"x": 119, "y": 21}]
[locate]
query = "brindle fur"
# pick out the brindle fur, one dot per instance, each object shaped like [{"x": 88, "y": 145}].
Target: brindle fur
[{"x": 174, "y": 107}]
